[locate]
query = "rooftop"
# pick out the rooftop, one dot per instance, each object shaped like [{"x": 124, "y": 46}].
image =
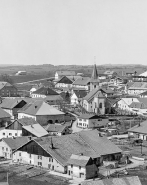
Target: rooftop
[
  {"x": 80, "y": 93},
  {"x": 55, "y": 127},
  {"x": 82, "y": 81},
  {"x": 78, "y": 160},
  {"x": 66, "y": 73},
  {"x": 45, "y": 91},
  {"x": 140, "y": 128}
]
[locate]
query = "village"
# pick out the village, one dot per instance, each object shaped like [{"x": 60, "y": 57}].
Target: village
[{"x": 79, "y": 129}]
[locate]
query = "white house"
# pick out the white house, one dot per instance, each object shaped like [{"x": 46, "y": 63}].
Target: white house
[
  {"x": 82, "y": 82},
  {"x": 137, "y": 88},
  {"x": 77, "y": 96}
]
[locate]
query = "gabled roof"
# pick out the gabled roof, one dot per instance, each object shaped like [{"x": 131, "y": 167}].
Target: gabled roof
[
  {"x": 92, "y": 93},
  {"x": 66, "y": 73},
  {"x": 36, "y": 129},
  {"x": 138, "y": 85},
  {"x": 53, "y": 98},
  {"x": 78, "y": 160},
  {"x": 45, "y": 91},
  {"x": 55, "y": 128},
  {"x": 134, "y": 180},
  {"x": 82, "y": 81},
  {"x": 10, "y": 103},
  {"x": 39, "y": 108},
  {"x": 80, "y": 93},
  {"x": 4, "y": 114},
  {"x": 107, "y": 90},
  {"x": 16, "y": 142},
  {"x": 144, "y": 93},
  {"x": 86, "y": 142},
  {"x": 65, "y": 80},
  {"x": 141, "y": 128}
]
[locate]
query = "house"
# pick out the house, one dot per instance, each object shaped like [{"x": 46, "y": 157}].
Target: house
[
  {"x": 14, "y": 129},
  {"x": 64, "y": 82},
  {"x": 60, "y": 74},
  {"x": 8, "y": 145},
  {"x": 139, "y": 108},
  {"x": 108, "y": 92},
  {"x": 82, "y": 82},
  {"x": 43, "y": 92},
  {"x": 110, "y": 73},
  {"x": 42, "y": 112},
  {"x": 139, "y": 131},
  {"x": 8, "y": 90},
  {"x": 54, "y": 152},
  {"x": 81, "y": 166},
  {"x": 137, "y": 88},
  {"x": 114, "y": 181},
  {"x": 91, "y": 121},
  {"x": 57, "y": 129},
  {"x": 143, "y": 95},
  {"x": 12, "y": 105},
  {"x": 4, "y": 118},
  {"x": 77, "y": 96},
  {"x": 24, "y": 89}
]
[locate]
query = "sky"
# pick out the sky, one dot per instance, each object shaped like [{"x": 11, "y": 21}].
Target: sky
[{"x": 63, "y": 32}]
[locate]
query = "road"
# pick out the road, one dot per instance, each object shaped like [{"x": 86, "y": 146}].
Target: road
[{"x": 36, "y": 80}]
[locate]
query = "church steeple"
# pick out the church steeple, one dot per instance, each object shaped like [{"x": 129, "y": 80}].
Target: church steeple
[{"x": 94, "y": 81}]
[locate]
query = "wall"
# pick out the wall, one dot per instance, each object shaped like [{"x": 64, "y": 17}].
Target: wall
[
  {"x": 74, "y": 99},
  {"x": 75, "y": 171},
  {"x": 10, "y": 133},
  {"x": 22, "y": 115},
  {"x": 5, "y": 150}
]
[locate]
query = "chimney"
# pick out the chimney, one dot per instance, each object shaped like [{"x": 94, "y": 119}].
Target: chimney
[
  {"x": 35, "y": 106},
  {"x": 51, "y": 145},
  {"x": 30, "y": 138}
]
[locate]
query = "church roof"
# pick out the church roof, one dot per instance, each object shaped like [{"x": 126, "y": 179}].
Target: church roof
[{"x": 94, "y": 76}]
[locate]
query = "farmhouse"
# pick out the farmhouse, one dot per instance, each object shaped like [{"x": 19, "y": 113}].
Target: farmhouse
[
  {"x": 8, "y": 90},
  {"x": 4, "y": 118},
  {"x": 42, "y": 112},
  {"x": 54, "y": 152},
  {"x": 43, "y": 92},
  {"x": 60, "y": 74},
  {"x": 57, "y": 129},
  {"x": 82, "y": 82},
  {"x": 64, "y": 82}
]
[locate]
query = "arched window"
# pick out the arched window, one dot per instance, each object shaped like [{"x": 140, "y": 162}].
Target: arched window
[{"x": 100, "y": 105}]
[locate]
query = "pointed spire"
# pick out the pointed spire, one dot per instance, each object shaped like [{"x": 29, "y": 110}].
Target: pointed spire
[{"x": 94, "y": 73}]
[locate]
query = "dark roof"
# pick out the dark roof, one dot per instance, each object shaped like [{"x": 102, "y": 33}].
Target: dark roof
[
  {"x": 45, "y": 91},
  {"x": 55, "y": 128},
  {"x": 143, "y": 100},
  {"x": 80, "y": 93},
  {"x": 16, "y": 142},
  {"x": 78, "y": 160},
  {"x": 144, "y": 93},
  {"x": 107, "y": 90},
  {"x": 141, "y": 128},
  {"x": 82, "y": 81},
  {"x": 138, "y": 105},
  {"x": 3, "y": 84},
  {"x": 24, "y": 87},
  {"x": 134, "y": 180},
  {"x": 65, "y": 80}
]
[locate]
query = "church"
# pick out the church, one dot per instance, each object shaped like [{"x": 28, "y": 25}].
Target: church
[{"x": 95, "y": 100}]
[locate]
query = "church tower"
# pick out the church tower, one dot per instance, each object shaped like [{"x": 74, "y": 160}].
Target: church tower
[{"x": 94, "y": 81}]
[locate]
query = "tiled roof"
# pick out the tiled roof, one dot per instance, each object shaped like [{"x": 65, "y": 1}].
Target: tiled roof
[
  {"x": 80, "y": 93},
  {"x": 66, "y": 73},
  {"x": 65, "y": 80},
  {"x": 82, "y": 81},
  {"x": 45, "y": 91},
  {"x": 55, "y": 127},
  {"x": 134, "y": 180},
  {"x": 3, "y": 84},
  {"x": 89, "y": 116},
  {"x": 16, "y": 142},
  {"x": 92, "y": 93},
  {"x": 39, "y": 108},
  {"x": 107, "y": 90},
  {"x": 36, "y": 129},
  {"x": 138, "y": 85},
  {"x": 78, "y": 160},
  {"x": 86, "y": 142},
  {"x": 53, "y": 98},
  {"x": 144, "y": 93},
  {"x": 141, "y": 128},
  {"x": 4, "y": 114}
]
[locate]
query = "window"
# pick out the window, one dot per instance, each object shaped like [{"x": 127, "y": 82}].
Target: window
[
  {"x": 15, "y": 134},
  {"x": 30, "y": 155},
  {"x": 79, "y": 167},
  {"x": 52, "y": 160},
  {"x": 19, "y": 154},
  {"x": 2, "y": 148},
  {"x": 10, "y": 134},
  {"x": 3, "y": 134},
  {"x": 39, "y": 163},
  {"x": 100, "y": 105},
  {"x": 71, "y": 165},
  {"x": 39, "y": 157},
  {"x": 6, "y": 149}
]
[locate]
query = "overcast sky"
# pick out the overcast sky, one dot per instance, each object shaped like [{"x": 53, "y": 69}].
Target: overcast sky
[{"x": 73, "y": 32}]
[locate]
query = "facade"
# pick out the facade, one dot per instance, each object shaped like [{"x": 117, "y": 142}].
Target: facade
[
  {"x": 137, "y": 88},
  {"x": 77, "y": 96},
  {"x": 64, "y": 82},
  {"x": 81, "y": 167},
  {"x": 43, "y": 92},
  {"x": 8, "y": 90},
  {"x": 4, "y": 118},
  {"x": 91, "y": 121}
]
